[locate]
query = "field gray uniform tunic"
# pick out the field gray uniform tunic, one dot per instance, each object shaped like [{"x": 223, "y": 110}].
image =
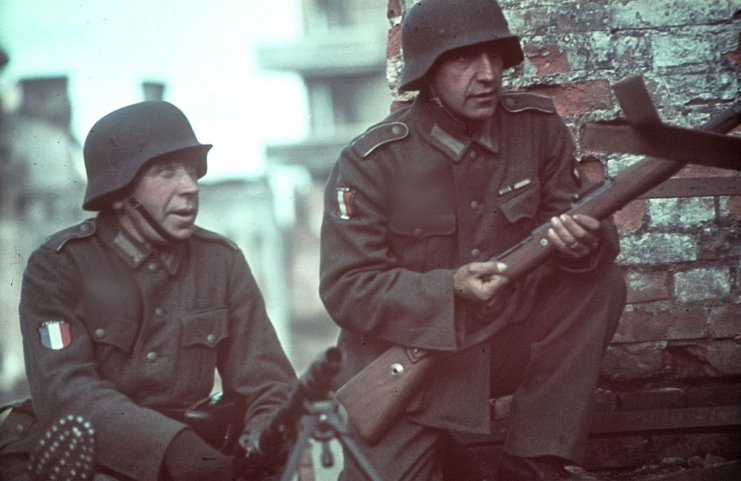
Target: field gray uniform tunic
[
  {"x": 147, "y": 332},
  {"x": 413, "y": 199}
]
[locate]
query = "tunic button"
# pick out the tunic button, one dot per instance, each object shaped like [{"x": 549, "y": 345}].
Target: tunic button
[
  {"x": 396, "y": 130},
  {"x": 85, "y": 227},
  {"x": 151, "y": 356},
  {"x": 20, "y": 428},
  {"x": 474, "y": 205},
  {"x": 152, "y": 266},
  {"x": 159, "y": 312},
  {"x": 509, "y": 102},
  {"x": 475, "y": 253},
  {"x": 474, "y": 155},
  {"x": 99, "y": 333},
  {"x": 418, "y": 232},
  {"x": 210, "y": 338}
]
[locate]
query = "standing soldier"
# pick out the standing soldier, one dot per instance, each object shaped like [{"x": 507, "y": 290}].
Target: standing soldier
[
  {"x": 415, "y": 208},
  {"x": 126, "y": 317}
]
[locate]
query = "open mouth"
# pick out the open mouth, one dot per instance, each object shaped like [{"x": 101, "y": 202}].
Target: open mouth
[{"x": 185, "y": 214}]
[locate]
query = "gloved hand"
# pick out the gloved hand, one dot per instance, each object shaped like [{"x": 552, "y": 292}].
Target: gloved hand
[
  {"x": 251, "y": 460},
  {"x": 189, "y": 458}
]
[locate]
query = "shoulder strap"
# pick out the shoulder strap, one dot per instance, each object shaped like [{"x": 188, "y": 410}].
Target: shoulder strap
[
  {"x": 82, "y": 230},
  {"x": 516, "y": 102},
  {"x": 378, "y": 135}
]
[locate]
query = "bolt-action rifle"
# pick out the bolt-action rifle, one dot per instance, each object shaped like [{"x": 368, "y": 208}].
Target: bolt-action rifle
[{"x": 380, "y": 392}]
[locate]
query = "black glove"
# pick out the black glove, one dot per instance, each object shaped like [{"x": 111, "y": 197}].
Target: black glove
[
  {"x": 253, "y": 461},
  {"x": 189, "y": 458}
]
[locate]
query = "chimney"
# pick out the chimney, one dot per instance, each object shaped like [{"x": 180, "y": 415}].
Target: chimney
[
  {"x": 46, "y": 98},
  {"x": 153, "y": 90}
]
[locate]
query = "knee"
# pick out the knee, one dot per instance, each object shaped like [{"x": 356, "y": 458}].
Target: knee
[{"x": 611, "y": 283}]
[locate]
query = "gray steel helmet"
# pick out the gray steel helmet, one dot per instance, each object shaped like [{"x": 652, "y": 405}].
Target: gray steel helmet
[
  {"x": 433, "y": 27},
  {"x": 122, "y": 142}
]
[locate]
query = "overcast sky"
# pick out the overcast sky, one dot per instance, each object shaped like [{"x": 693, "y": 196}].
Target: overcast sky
[{"x": 203, "y": 50}]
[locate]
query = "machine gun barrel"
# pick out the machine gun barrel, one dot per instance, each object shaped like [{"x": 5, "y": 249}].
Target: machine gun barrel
[
  {"x": 314, "y": 385},
  {"x": 269, "y": 448}
]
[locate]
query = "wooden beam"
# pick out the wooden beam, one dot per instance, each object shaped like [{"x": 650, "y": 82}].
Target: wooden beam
[
  {"x": 627, "y": 422},
  {"x": 696, "y": 187}
]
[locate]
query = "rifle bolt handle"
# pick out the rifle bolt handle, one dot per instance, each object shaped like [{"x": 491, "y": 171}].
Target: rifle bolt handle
[{"x": 396, "y": 369}]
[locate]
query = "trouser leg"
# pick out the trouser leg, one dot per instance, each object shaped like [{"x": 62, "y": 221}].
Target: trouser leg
[
  {"x": 412, "y": 452},
  {"x": 556, "y": 361}
]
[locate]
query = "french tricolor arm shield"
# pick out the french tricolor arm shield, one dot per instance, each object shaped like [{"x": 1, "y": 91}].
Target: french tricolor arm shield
[
  {"x": 345, "y": 202},
  {"x": 55, "y": 335}
]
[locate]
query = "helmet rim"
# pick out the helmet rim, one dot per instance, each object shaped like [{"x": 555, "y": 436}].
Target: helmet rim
[
  {"x": 433, "y": 27},
  {"x": 121, "y": 143}
]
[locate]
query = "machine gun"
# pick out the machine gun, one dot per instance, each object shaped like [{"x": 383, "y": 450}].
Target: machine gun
[
  {"x": 272, "y": 443},
  {"x": 379, "y": 393},
  {"x": 310, "y": 412}
]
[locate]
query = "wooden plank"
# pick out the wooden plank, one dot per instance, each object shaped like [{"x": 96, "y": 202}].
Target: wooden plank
[
  {"x": 627, "y": 422},
  {"x": 665, "y": 419},
  {"x": 696, "y": 187}
]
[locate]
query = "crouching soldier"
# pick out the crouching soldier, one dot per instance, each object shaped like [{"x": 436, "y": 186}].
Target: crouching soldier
[{"x": 127, "y": 316}]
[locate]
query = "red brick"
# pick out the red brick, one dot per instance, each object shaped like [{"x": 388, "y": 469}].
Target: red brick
[
  {"x": 637, "y": 325},
  {"x": 734, "y": 206},
  {"x": 565, "y": 23},
  {"x": 393, "y": 9},
  {"x": 734, "y": 55},
  {"x": 393, "y": 47},
  {"x": 593, "y": 169},
  {"x": 724, "y": 321},
  {"x": 635, "y": 361},
  {"x": 708, "y": 359},
  {"x": 648, "y": 287},
  {"x": 725, "y": 357},
  {"x": 631, "y": 216},
  {"x": 548, "y": 60},
  {"x": 397, "y": 104},
  {"x": 579, "y": 97}
]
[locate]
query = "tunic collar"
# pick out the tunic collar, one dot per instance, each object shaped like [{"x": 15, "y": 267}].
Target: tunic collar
[
  {"x": 133, "y": 252},
  {"x": 449, "y": 135}
]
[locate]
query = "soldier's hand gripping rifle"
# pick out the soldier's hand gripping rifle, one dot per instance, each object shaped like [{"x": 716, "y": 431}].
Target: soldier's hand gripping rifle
[{"x": 379, "y": 393}]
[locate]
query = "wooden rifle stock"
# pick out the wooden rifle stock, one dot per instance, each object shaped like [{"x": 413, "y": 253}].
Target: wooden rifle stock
[{"x": 375, "y": 396}]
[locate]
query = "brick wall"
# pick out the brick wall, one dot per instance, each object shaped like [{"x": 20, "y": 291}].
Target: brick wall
[{"x": 681, "y": 255}]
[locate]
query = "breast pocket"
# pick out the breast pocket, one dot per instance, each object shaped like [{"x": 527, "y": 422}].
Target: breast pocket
[
  {"x": 201, "y": 334},
  {"x": 519, "y": 211},
  {"x": 113, "y": 338},
  {"x": 113, "y": 331},
  {"x": 424, "y": 242}
]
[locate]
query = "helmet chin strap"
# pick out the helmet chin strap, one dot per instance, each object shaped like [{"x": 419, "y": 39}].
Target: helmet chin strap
[
  {"x": 158, "y": 228},
  {"x": 435, "y": 98}
]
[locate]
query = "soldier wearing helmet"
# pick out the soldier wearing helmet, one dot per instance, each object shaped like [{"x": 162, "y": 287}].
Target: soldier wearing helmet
[
  {"x": 126, "y": 317},
  {"x": 417, "y": 207}
]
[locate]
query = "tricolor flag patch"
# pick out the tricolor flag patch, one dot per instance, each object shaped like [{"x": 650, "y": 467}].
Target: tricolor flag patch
[
  {"x": 345, "y": 201},
  {"x": 55, "y": 335}
]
